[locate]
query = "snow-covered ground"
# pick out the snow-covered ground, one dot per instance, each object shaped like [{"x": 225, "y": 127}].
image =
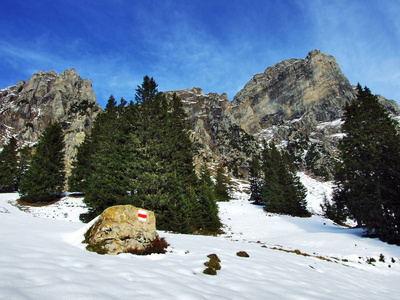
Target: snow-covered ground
[{"x": 41, "y": 257}]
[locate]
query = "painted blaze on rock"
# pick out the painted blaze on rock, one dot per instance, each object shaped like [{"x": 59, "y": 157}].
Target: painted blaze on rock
[{"x": 121, "y": 229}]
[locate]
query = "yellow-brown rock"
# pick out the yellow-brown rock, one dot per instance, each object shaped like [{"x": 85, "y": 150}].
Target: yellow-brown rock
[{"x": 122, "y": 228}]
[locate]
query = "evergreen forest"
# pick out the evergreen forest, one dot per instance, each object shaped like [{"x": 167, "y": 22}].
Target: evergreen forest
[
  {"x": 274, "y": 183},
  {"x": 140, "y": 153}
]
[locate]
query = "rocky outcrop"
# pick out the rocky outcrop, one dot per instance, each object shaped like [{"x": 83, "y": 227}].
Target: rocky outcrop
[
  {"x": 297, "y": 103},
  {"x": 207, "y": 115},
  {"x": 215, "y": 133},
  {"x": 28, "y": 107},
  {"x": 313, "y": 88},
  {"x": 122, "y": 229}
]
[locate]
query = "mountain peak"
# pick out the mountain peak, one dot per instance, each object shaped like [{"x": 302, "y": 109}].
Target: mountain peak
[
  {"x": 28, "y": 107},
  {"x": 291, "y": 88}
]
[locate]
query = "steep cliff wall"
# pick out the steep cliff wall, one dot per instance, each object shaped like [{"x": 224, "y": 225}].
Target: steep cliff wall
[
  {"x": 297, "y": 103},
  {"x": 314, "y": 86},
  {"x": 28, "y": 107},
  {"x": 215, "y": 134}
]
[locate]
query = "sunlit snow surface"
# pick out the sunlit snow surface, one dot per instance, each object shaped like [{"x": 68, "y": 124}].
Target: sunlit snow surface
[{"x": 42, "y": 258}]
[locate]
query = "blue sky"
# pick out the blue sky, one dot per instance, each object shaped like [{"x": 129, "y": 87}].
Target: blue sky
[{"x": 216, "y": 45}]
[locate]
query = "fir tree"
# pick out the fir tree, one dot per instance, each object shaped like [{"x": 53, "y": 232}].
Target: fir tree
[
  {"x": 44, "y": 180},
  {"x": 208, "y": 202},
  {"x": 221, "y": 185},
  {"x": 282, "y": 191},
  {"x": 8, "y": 166},
  {"x": 368, "y": 176},
  {"x": 294, "y": 191},
  {"x": 272, "y": 194},
  {"x": 24, "y": 158},
  {"x": 103, "y": 176},
  {"x": 81, "y": 166},
  {"x": 256, "y": 181}
]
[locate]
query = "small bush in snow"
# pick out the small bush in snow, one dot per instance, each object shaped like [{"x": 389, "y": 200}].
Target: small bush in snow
[
  {"x": 158, "y": 246},
  {"x": 242, "y": 254}
]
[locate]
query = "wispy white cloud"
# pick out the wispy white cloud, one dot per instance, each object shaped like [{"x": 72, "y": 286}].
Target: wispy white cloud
[{"x": 364, "y": 38}]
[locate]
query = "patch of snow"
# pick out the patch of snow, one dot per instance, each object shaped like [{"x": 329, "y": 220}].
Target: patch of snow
[
  {"x": 338, "y": 135},
  {"x": 335, "y": 123},
  {"x": 67, "y": 209},
  {"x": 316, "y": 191},
  {"x": 267, "y": 134}
]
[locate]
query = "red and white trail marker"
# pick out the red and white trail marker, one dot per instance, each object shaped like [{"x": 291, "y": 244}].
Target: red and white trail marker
[{"x": 142, "y": 215}]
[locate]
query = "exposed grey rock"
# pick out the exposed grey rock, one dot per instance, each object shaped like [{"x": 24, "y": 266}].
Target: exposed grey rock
[
  {"x": 296, "y": 103},
  {"x": 314, "y": 87},
  {"x": 28, "y": 107},
  {"x": 215, "y": 133}
]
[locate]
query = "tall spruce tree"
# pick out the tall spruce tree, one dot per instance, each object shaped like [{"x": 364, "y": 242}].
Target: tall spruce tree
[
  {"x": 256, "y": 181},
  {"x": 8, "y": 167},
  {"x": 271, "y": 190},
  {"x": 24, "y": 158},
  {"x": 104, "y": 175},
  {"x": 368, "y": 176},
  {"x": 81, "y": 165},
  {"x": 45, "y": 178},
  {"x": 282, "y": 191},
  {"x": 222, "y": 185},
  {"x": 208, "y": 202}
]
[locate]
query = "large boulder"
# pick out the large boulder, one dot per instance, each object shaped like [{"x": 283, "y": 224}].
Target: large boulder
[{"x": 122, "y": 229}]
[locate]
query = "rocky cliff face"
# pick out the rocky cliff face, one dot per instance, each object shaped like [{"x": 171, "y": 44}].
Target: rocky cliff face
[
  {"x": 216, "y": 135},
  {"x": 297, "y": 103},
  {"x": 28, "y": 107},
  {"x": 313, "y": 87}
]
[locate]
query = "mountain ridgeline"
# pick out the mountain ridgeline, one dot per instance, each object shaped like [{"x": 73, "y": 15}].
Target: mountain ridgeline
[
  {"x": 297, "y": 104},
  {"x": 47, "y": 97}
]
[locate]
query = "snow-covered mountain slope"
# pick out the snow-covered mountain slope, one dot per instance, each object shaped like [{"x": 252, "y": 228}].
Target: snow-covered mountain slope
[{"x": 290, "y": 258}]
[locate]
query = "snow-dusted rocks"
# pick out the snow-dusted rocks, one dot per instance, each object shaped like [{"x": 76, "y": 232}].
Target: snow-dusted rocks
[
  {"x": 27, "y": 108},
  {"x": 122, "y": 229}
]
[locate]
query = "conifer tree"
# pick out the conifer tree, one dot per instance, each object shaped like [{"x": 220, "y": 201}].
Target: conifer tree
[
  {"x": 293, "y": 190},
  {"x": 256, "y": 181},
  {"x": 221, "y": 185},
  {"x": 103, "y": 176},
  {"x": 45, "y": 178},
  {"x": 8, "y": 166},
  {"x": 24, "y": 158},
  {"x": 368, "y": 176},
  {"x": 271, "y": 190},
  {"x": 282, "y": 191},
  {"x": 81, "y": 166},
  {"x": 208, "y": 202}
]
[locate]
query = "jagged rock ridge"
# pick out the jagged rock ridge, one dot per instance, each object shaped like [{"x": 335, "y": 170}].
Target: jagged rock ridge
[
  {"x": 216, "y": 135},
  {"x": 314, "y": 87},
  {"x": 28, "y": 107},
  {"x": 297, "y": 103}
]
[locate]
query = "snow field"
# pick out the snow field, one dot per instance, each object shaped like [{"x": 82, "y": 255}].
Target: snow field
[{"x": 42, "y": 257}]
